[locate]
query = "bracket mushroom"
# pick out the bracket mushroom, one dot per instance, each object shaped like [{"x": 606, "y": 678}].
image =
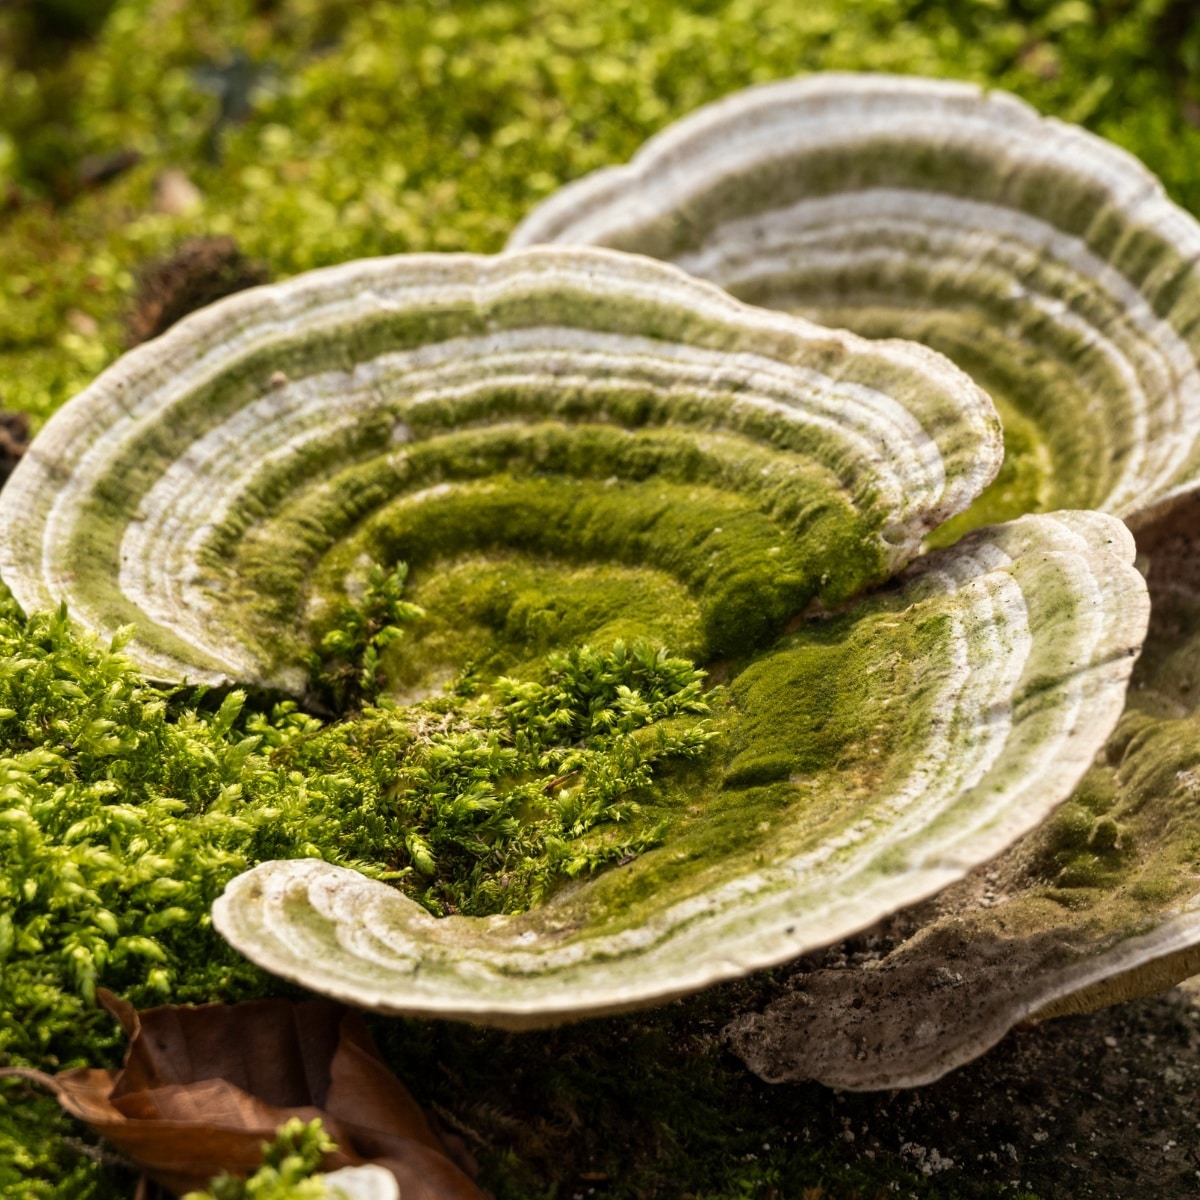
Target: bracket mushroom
[
  {"x": 885, "y": 727},
  {"x": 1051, "y": 266}
]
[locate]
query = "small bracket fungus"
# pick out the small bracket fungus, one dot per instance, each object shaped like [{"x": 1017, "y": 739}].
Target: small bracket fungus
[
  {"x": 1098, "y": 905},
  {"x": 1046, "y": 262},
  {"x": 1053, "y": 268}
]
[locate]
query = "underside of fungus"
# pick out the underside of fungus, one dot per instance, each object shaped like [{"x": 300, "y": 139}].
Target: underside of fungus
[
  {"x": 644, "y": 459},
  {"x": 1053, "y": 268},
  {"x": 1046, "y": 262}
]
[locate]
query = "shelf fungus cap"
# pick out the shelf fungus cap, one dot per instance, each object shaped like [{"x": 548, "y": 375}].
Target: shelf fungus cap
[
  {"x": 1045, "y": 261},
  {"x": 991, "y": 673},
  {"x": 1098, "y": 905},
  {"x": 217, "y": 488},
  {"x": 209, "y": 485}
]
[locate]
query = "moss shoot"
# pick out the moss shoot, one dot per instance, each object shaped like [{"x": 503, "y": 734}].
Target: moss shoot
[{"x": 498, "y": 792}]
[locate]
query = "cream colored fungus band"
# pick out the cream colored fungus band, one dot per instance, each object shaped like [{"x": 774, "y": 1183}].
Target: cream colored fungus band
[
  {"x": 1028, "y": 633},
  {"x": 1045, "y": 261},
  {"x": 206, "y": 486}
]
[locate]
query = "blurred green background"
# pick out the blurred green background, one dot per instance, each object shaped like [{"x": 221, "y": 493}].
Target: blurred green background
[{"x": 314, "y": 131}]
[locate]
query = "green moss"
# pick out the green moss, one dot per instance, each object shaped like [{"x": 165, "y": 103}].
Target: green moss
[
  {"x": 542, "y": 92},
  {"x": 45, "y": 1153},
  {"x": 495, "y": 799},
  {"x": 289, "y": 1171},
  {"x": 494, "y": 805},
  {"x": 496, "y": 614}
]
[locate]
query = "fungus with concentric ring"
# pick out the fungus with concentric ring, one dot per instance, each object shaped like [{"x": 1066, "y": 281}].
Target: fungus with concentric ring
[
  {"x": 1052, "y": 267},
  {"x": 1045, "y": 261},
  {"x": 646, "y": 458}
]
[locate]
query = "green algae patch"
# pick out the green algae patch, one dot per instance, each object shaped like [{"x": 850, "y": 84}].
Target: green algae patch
[
  {"x": 747, "y": 536},
  {"x": 807, "y": 733},
  {"x": 501, "y": 613},
  {"x": 1046, "y": 465},
  {"x": 744, "y": 572},
  {"x": 824, "y": 702}
]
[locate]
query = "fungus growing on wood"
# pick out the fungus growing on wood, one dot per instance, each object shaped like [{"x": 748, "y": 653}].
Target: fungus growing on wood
[
  {"x": 637, "y": 457},
  {"x": 1052, "y": 267}
]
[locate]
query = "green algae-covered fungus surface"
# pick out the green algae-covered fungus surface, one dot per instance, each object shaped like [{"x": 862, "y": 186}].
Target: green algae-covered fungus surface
[
  {"x": 860, "y": 763},
  {"x": 1045, "y": 261},
  {"x": 218, "y": 486}
]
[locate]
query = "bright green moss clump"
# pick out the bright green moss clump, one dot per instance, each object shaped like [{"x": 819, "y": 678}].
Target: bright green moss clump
[
  {"x": 288, "y": 1171},
  {"x": 127, "y": 809},
  {"x": 498, "y": 795},
  {"x": 502, "y": 796}
]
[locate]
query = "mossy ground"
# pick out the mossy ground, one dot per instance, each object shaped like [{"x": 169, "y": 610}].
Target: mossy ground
[
  {"x": 317, "y": 131},
  {"x": 128, "y": 808}
]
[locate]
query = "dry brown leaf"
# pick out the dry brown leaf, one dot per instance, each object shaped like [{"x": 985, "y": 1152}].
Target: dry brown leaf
[{"x": 204, "y": 1087}]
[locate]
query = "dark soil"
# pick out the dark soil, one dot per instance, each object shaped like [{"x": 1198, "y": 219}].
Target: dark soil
[
  {"x": 1098, "y": 1107},
  {"x": 1103, "y": 1105}
]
